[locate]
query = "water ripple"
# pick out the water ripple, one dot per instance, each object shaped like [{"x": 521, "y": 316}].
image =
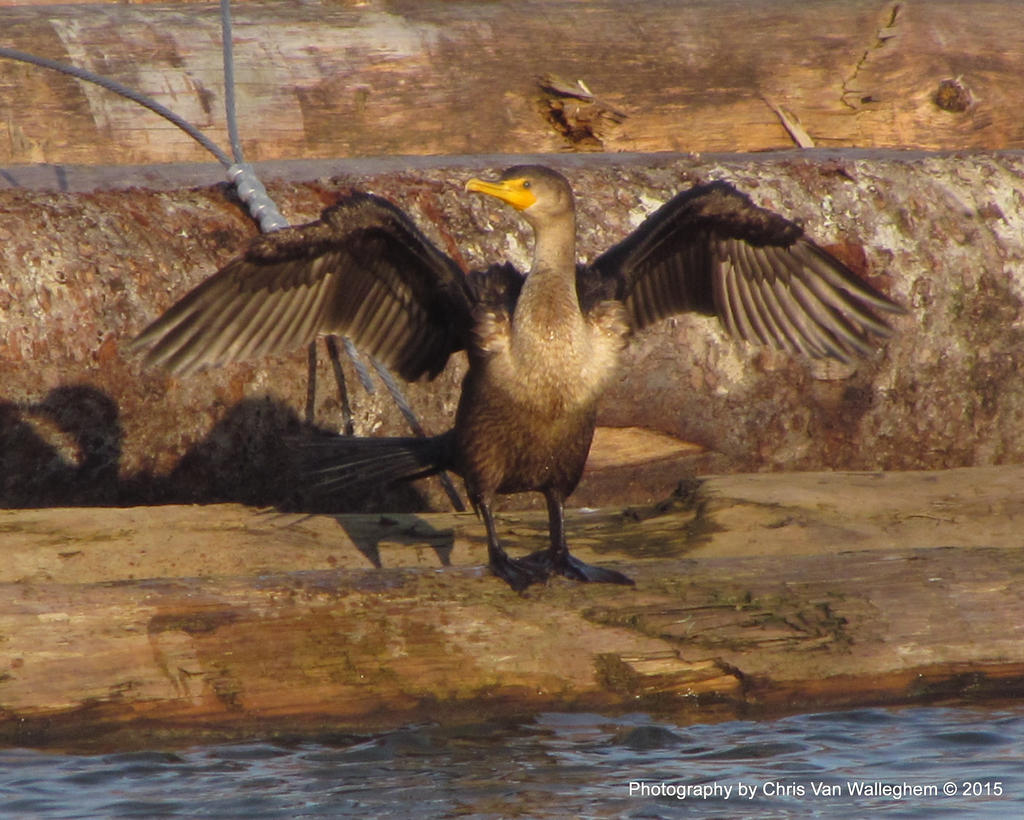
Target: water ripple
[{"x": 838, "y": 764}]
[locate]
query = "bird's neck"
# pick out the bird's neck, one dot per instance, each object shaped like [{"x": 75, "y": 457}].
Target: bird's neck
[
  {"x": 548, "y": 307},
  {"x": 554, "y": 248}
]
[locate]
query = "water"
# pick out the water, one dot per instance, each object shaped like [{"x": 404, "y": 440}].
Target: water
[{"x": 559, "y": 765}]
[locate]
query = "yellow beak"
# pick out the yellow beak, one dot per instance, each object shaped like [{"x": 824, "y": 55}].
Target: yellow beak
[{"x": 516, "y": 192}]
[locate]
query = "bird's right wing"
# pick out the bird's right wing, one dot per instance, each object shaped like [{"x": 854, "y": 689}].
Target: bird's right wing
[
  {"x": 711, "y": 250},
  {"x": 362, "y": 270}
]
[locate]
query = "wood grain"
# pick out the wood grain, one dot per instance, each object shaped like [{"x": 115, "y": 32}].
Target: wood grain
[
  {"x": 755, "y": 595},
  {"x": 433, "y": 77}
]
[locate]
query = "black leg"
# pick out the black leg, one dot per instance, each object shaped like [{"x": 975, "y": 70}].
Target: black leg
[
  {"x": 347, "y": 425},
  {"x": 515, "y": 573},
  {"x": 557, "y": 558},
  {"x": 311, "y": 383}
]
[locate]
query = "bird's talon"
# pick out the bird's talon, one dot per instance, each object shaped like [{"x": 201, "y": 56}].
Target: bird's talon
[
  {"x": 575, "y": 569},
  {"x": 518, "y": 574}
]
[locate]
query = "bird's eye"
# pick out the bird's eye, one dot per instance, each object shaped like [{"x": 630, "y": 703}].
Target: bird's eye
[{"x": 527, "y": 183}]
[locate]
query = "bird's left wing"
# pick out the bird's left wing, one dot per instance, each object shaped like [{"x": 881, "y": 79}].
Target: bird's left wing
[
  {"x": 363, "y": 270},
  {"x": 711, "y": 250}
]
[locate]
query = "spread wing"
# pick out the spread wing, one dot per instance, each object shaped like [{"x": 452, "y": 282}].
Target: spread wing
[
  {"x": 711, "y": 250},
  {"x": 362, "y": 270}
]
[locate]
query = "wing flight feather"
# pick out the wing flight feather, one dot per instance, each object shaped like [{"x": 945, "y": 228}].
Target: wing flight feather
[{"x": 711, "y": 250}]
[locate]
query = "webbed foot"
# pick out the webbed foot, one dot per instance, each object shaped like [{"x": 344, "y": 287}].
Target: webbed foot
[
  {"x": 568, "y": 565},
  {"x": 517, "y": 573}
]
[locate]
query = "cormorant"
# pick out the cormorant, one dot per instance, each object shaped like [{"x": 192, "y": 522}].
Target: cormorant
[{"x": 541, "y": 348}]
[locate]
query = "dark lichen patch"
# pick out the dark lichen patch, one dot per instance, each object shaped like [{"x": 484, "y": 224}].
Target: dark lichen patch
[
  {"x": 192, "y": 623},
  {"x": 992, "y": 306},
  {"x": 225, "y": 687},
  {"x": 735, "y": 620},
  {"x": 815, "y": 627},
  {"x": 616, "y": 675}
]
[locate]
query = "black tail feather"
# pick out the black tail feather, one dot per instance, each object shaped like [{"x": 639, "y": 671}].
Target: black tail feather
[{"x": 335, "y": 463}]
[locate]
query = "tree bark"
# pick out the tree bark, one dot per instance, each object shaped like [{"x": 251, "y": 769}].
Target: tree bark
[
  {"x": 755, "y": 595},
  {"x": 433, "y": 77},
  {"x": 81, "y": 422}
]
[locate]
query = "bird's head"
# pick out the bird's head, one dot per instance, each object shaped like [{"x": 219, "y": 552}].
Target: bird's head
[{"x": 539, "y": 193}]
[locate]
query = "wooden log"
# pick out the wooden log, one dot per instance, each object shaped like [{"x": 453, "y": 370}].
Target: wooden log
[
  {"x": 755, "y": 595},
  {"x": 434, "y": 77},
  {"x": 81, "y": 422}
]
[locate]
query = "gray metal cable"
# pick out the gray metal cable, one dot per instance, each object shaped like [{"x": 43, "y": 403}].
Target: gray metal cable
[
  {"x": 228, "y": 50},
  {"x": 265, "y": 212},
  {"x": 359, "y": 364},
  {"x": 124, "y": 91},
  {"x": 241, "y": 174}
]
